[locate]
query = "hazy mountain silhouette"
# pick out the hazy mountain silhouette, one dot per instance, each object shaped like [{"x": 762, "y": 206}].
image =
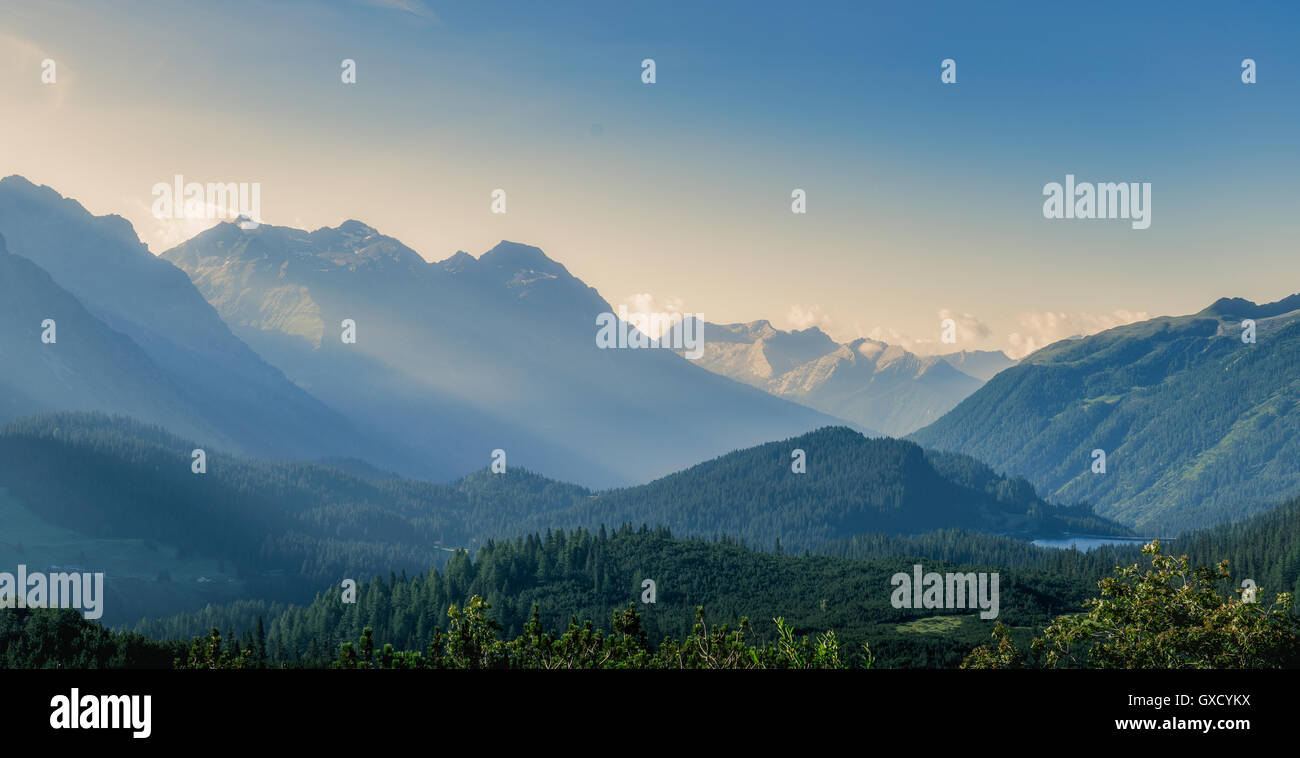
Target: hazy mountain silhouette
[
  {"x": 981, "y": 364},
  {"x": 227, "y": 388},
  {"x": 878, "y": 386},
  {"x": 88, "y": 366},
  {"x": 457, "y": 358}
]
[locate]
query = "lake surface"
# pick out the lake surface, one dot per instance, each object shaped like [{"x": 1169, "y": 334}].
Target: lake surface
[{"x": 1088, "y": 543}]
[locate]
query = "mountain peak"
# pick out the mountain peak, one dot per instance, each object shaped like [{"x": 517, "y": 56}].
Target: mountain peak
[
  {"x": 351, "y": 236},
  {"x": 354, "y": 227},
  {"x": 21, "y": 184},
  {"x": 459, "y": 262},
  {"x": 515, "y": 256},
  {"x": 19, "y": 181},
  {"x": 33, "y": 199},
  {"x": 1243, "y": 308}
]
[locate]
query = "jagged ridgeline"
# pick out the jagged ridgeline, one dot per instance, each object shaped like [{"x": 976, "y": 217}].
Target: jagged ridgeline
[
  {"x": 130, "y": 334},
  {"x": 876, "y": 385},
  {"x": 1199, "y": 425},
  {"x": 456, "y": 358},
  {"x": 235, "y": 338}
]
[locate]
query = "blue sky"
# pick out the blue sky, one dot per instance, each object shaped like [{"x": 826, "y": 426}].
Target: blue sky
[{"x": 923, "y": 199}]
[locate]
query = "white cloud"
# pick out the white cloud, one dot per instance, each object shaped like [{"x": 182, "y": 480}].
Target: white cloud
[
  {"x": 969, "y": 327},
  {"x": 1036, "y": 329},
  {"x": 644, "y": 302},
  {"x": 803, "y": 317},
  {"x": 414, "y": 7},
  {"x": 162, "y": 234},
  {"x": 1041, "y": 328},
  {"x": 892, "y": 336}
]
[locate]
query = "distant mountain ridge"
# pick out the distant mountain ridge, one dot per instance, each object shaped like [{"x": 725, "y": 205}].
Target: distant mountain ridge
[
  {"x": 224, "y": 393},
  {"x": 461, "y": 357},
  {"x": 1198, "y": 427},
  {"x": 88, "y": 366},
  {"x": 878, "y": 386},
  {"x": 1242, "y": 308}
]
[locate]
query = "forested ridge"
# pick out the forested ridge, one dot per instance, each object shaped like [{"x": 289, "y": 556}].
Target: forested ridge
[
  {"x": 1264, "y": 548},
  {"x": 282, "y": 527},
  {"x": 852, "y": 485},
  {"x": 1198, "y": 427},
  {"x": 281, "y": 530},
  {"x": 419, "y": 550}
]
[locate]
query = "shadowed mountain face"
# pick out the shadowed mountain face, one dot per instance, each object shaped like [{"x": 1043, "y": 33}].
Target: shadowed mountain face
[
  {"x": 219, "y": 391},
  {"x": 459, "y": 358},
  {"x": 1197, "y": 426},
  {"x": 85, "y": 365},
  {"x": 870, "y": 383}
]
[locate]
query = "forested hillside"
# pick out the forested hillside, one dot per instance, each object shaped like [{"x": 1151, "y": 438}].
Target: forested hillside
[
  {"x": 1198, "y": 426},
  {"x": 1264, "y": 548},
  {"x": 115, "y": 495},
  {"x": 852, "y": 485},
  {"x": 123, "y": 496},
  {"x": 590, "y": 576},
  {"x": 579, "y": 580}
]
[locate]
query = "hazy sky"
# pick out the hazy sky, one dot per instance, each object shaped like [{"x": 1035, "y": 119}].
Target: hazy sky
[{"x": 924, "y": 199}]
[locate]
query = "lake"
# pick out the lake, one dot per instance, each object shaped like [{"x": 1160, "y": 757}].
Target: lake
[{"x": 1088, "y": 543}]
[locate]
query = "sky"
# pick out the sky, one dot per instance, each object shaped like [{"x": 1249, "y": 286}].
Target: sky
[{"x": 924, "y": 199}]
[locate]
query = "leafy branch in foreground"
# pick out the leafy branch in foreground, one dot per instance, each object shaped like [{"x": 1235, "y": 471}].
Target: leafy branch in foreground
[
  {"x": 472, "y": 642},
  {"x": 208, "y": 653},
  {"x": 1171, "y": 615}
]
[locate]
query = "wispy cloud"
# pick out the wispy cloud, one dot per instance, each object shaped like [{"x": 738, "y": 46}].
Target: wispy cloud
[
  {"x": 1036, "y": 329},
  {"x": 644, "y": 302},
  {"x": 904, "y": 340},
  {"x": 414, "y": 7},
  {"x": 162, "y": 235},
  {"x": 969, "y": 326},
  {"x": 805, "y": 316}
]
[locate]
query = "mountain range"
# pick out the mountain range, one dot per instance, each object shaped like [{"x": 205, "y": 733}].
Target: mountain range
[
  {"x": 878, "y": 386},
  {"x": 453, "y": 360},
  {"x": 234, "y": 340},
  {"x": 137, "y": 338},
  {"x": 57, "y": 355}
]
